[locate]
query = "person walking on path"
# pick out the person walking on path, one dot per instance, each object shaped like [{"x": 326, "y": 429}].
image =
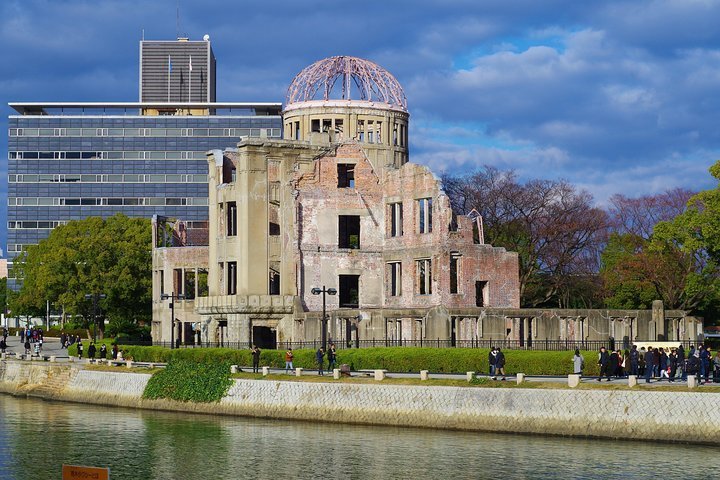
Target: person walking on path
[
  {"x": 578, "y": 363},
  {"x": 604, "y": 363},
  {"x": 103, "y": 351},
  {"x": 492, "y": 360},
  {"x": 320, "y": 357},
  {"x": 672, "y": 364},
  {"x": 500, "y": 364},
  {"x": 649, "y": 356},
  {"x": 288, "y": 360},
  {"x": 255, "y": 352},
  {"x": 79, "y": 349},
  {"x": 634, "y": 360},
  {"x": 27, "y": 346},
  {"x": 332, "y": 357},
  {"x": 705, "y": 357},
  {"x": 681, "y": 362},
  {"x": 91, "y": 352},
  {"x": 3, "y": 345}
]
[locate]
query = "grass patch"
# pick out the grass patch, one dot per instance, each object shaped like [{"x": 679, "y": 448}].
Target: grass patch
[{"x": 187, "y": 381}]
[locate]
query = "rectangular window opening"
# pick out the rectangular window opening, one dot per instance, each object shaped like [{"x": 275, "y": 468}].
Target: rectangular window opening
[
  {"x": 349, "y": 231},
  {"x": 423, "y": 277},
  {"x": 346, "y": 175},
  {"x": 349, "y": 291},
  {"x": 231, "y": 212},
  {"x": 395, "y": 280},
  {"x": 231, "y": 278},
  {"x": 454, "y": 272}
]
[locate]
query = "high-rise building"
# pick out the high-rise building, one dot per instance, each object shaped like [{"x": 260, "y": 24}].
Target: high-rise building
[{"x": 68, "y": 161}]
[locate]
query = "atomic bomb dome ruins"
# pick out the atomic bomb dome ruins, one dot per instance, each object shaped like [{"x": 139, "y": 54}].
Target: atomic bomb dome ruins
[{"x": 338, "y": 205}]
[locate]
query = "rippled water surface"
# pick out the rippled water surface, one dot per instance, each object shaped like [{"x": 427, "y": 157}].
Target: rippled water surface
[{"x": 37, "y": 437}]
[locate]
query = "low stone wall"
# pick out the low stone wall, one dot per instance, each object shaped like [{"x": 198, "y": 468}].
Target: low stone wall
[{"x": 640, "y": 414}]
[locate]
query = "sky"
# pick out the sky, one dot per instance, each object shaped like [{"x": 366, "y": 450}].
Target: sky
[{"x": 612, "y": 96}]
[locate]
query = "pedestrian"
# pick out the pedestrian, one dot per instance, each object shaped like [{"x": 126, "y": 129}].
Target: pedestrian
[
  {"x": 27, "y": 345},
  {"x": 3, "y": 345},
  {"x": 255, "y": 352},
  {"x": 79, "y": 348},
  {"x": 37, "y": 350},
  {"x": 103, "y": 351},
  {"x": 578, "y": 363},
  {"x": 673, "y": 364},
  {"x": 91, "y": 352},
  {"x": 604, "y": 363},
  {"x": 693, "y": 363},
  {"x": 332, "y": 357},
  {"x": 614, "y": 363},
  {"x": 634, "y": 360},
  {"x": 115, "y": 351},
  {"x": 500, "y": 364},
  {"x": 705, "y": 358},
  {"x": 22, "y": 335},
  {"x": 320, "y": 357},
  {"x": 492, "y": 360},
  {"x": 641, "y": 362},
  {"x": 681, "y": 361},
  {"x": 648, "y": 364},
  {"x": 716, "y": 369},
  {"x": 63, "y": 339},
  {"x": 663, "y": 364},
  {"x": 656, "y": 362},
  {"x": 289, "y": 360}
]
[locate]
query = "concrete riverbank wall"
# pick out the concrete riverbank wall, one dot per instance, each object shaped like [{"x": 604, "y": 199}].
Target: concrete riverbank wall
[{"x": 674, "y": 416}]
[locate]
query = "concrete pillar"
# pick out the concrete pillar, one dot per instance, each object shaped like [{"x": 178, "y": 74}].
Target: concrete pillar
[
  {"x": 469, "y": 376},
  {"x": 573, "y": 380},
  {"x": 692, "y": 381},
  {"x": 658, "y": 317},
  {"x": 424, "y": 375},
  {"x": 265, "y": 371},
  {"x": 336, "y": 373},
  {"x": 298, "y": 372},
  {"x": 380, "y": 375},
  {"x": 233, "y": 369},
  {"x": 520, "y": 378},
  {"x": 3, "y": 356},
  {"x": 128, "y": 364},
  {"x": 632, "y": 380}
]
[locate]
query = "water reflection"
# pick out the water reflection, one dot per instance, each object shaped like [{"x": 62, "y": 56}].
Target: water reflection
[{"x": 37, "y": 437}]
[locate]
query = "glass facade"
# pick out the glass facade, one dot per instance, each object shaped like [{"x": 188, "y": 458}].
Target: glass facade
[{"x": 71, "y": 165}]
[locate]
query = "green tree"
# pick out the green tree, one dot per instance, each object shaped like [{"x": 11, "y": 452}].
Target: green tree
[{"x": 91, "y": 256}]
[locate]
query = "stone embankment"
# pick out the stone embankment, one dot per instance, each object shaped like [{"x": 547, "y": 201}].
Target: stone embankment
[{"x": 678, "y": 416}]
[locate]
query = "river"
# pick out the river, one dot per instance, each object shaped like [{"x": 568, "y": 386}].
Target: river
[{"x": 38, "y": 436}]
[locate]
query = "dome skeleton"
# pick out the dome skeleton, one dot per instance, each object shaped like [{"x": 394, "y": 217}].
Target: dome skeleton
[{"x": 374, "y": 83}]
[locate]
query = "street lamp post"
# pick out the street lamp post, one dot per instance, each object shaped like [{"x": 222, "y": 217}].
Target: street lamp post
[
  {"x": 95, "y": 297},
  {"x": 329, "y": 291},
  {"x": 172, "y": 296}
]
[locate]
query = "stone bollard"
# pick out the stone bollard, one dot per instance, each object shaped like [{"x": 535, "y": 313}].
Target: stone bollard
[
  {"x": 424, "y": 375},
  {"x": 632, "y": 380},
  {"x": 266, "y": 371},
  {"x": 573, "y": 380},
  {"x": 3, "y": 356},
  {"x": 336, "y": 373},
  {"x": 520, "y": 378},
  {"x": 151, "y": 365},
  {"x": 380, "y": 375},
  {"x": 233, "y": 368},
  {"x": 71, "y": 359},
  {"x": 692, "y": 381},
  {"x": 53, "y": 359},
  {"x": 128, "y": 364},
  {"x": 298, "y": 372},
  {"x": 469, "y": 376}
]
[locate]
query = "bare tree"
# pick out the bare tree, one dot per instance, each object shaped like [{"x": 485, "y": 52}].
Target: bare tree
[{"x": 638, "y": 216}]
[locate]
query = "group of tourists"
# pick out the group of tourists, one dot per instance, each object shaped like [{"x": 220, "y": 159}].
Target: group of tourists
[
  {"x": 101, "y": 353},
  {"x": 496, "y": 360},
  {"x": 659, "y": 363},
  {"x": 67, "y": 340},
  {"x": 320, "y": 355}
]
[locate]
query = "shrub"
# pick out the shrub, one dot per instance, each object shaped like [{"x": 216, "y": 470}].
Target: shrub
[{"x": 189, "y": 381}]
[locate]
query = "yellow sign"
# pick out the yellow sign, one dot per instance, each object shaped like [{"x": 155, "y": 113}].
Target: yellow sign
[{"x": 75, "y": 472}]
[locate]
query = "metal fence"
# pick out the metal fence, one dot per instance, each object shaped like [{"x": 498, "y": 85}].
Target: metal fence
[{"x": 550, "y": 345}]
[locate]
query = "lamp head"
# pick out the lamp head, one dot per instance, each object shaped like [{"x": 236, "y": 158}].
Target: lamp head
[
  {"x": 331, "y": 291},
  {"x": 316, "y": 291}
]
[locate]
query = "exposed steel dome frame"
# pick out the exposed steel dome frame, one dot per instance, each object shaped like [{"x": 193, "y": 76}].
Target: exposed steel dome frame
[{"x": 372, "y": 82}]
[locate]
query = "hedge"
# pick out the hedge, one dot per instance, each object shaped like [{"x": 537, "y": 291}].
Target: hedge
[{"x": 393, "y": 359}]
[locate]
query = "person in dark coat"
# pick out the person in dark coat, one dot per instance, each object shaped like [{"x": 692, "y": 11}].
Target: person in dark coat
[
  {"x": 115, "y": 352},
  {"x": 634, "y": 360},
  {"x": 649, "y": 358},
  {"x": 103, "y": 351},
  {"x": 91, "y": 352},
  {"x": 332, "y": 357},
  {"x": 492, "y": 358},
  {"x": 681, "y": 361},
  {"x": 319, "y": 358},
  {"x": 255, "y": 352},
  {"x": 3, "y": 345},
  {"x": 500, "y": 364},
  {"x": 614, "y": 364},
  {"x": 604, "y": 363},
  {"x": 79, "y": 348}
]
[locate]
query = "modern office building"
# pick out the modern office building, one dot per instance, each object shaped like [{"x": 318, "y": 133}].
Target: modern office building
[{"x": 68, "y": 161}]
